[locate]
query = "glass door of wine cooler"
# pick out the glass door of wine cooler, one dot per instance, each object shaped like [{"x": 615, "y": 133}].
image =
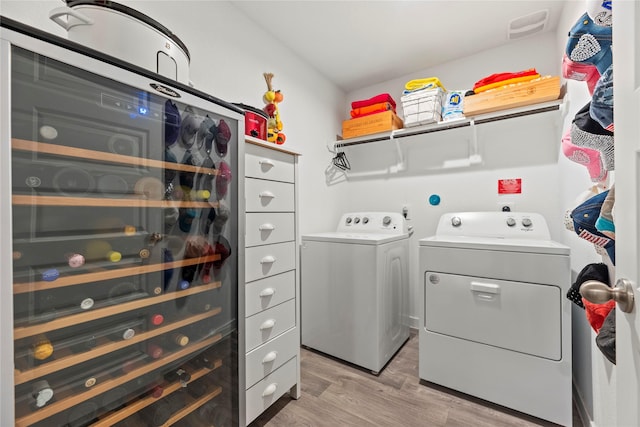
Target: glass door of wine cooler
[{"x": 124, "y": 242}]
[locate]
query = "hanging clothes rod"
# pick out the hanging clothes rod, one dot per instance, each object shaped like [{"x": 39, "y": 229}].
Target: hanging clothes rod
[{"x": 439, "y": 127}]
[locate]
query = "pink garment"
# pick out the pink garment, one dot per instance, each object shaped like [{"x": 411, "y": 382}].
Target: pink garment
[
  {"x": 588, "y": 157},
  {"x": 581, "y": 72}
]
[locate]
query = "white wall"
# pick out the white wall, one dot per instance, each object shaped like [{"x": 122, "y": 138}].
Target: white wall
[{"x": 228, "y": 56}]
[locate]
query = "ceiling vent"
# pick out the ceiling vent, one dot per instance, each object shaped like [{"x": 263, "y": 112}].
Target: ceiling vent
[{"x": 528, "y": 24}]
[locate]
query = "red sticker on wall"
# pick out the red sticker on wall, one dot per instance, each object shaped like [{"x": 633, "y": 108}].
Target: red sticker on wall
[{"x": 510, "y": 186}]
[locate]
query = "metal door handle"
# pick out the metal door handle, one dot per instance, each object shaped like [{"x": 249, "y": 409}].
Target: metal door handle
[{"x": 599, "y": 293}]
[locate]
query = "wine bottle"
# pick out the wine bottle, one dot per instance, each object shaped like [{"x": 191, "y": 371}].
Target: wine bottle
[
  {"x": 157, "y": 414},
  {"x": 82, "y": 414},
  {"x": 83, "y": 343},
  {"x": 42, "y": 349},
  {"x": 125, "y": 330},
  {"x": 198, "y": 388},
  {"x": 41, "y": 392},
  {"x": 178, "y": 375},
  {"x": 101, "y": 250}
]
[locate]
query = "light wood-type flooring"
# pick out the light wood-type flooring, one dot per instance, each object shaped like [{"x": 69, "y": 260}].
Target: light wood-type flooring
[{"x": 337, "y": 394}]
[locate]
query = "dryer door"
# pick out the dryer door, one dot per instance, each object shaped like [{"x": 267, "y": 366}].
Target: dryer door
[{"x": 517, "y": 316}]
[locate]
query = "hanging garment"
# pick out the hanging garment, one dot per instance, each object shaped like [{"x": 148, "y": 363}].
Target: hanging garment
[
  {"x": 584, "y": 219},
  {"x": 589, "y": 43},
  {"x": 601, "y": 109},
  {"x": 586, "y": 132},
  {"x": 600, "y": 12},
  {"x": 588, "y": 157},
  {"x": 606, "y": 338},
  {"x": 580, "y": 72},
  {"x": 604, "y": 223},
  {"x": 596, "y": 313},
  {"x": 596, "y": 271}
]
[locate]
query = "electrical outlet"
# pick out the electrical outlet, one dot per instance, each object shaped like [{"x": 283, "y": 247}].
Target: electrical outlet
[
  {"x": 405, "y": 212},
  {"x": 506, "y": 206}
]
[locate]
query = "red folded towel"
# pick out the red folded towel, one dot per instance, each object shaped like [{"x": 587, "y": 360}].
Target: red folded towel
[
  {"x": 383, "y": 97},
  {"x": 372, "y": 109},
  {"x": 499, "y": 77}
]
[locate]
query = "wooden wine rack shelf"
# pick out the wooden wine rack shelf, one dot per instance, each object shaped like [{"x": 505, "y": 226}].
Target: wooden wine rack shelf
[
  {"x": 133, "y": 202},
  {"x": 78, "y": 279},
  {"x": 136, "y": 406},
  {"x": 76, "y": 319},
  {"x": 60, "y": 405},
  {"x": 108, "y": 347},
  {"x": 84, "y": 154},
  {"x": 192, "y": 407}
]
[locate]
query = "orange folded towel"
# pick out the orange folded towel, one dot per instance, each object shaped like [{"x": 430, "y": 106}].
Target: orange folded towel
[{"x": 372, "y": 109}]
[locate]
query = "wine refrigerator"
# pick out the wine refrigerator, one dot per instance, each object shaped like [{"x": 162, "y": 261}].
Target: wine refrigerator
[{"x": 119, "y": 241}]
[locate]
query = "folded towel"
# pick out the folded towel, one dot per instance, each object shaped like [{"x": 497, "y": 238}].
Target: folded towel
[
  {"x": 372, "y": 109},
  {"x": 500, "y": 79},
  {"x": 383, "y": 97},
  {"x": 416, "y": 84}
]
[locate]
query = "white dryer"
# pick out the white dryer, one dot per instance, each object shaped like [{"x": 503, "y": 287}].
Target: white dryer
[
  {"x": 495, "y": 322},
  {"x": 355, "y": 287}
]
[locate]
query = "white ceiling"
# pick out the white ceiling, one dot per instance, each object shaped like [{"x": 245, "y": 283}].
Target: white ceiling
[{"x": 360, "y": 43}]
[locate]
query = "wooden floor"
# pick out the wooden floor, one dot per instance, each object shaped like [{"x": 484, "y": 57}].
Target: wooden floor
[{"x": 337, "y": 394}]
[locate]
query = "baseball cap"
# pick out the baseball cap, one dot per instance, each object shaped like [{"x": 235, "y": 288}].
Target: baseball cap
[
  {"x": 586, "y": 132},
  {"x": 584, "y": 218},
  {"x": 601, "y": 109},
  {"x": 590, "y": 43},
  {"x": 588, "y": 157},
  {"x": 223, "y": 179},
  {"x": 223, "y": 135},
  {"x": 580, "y": 72}
]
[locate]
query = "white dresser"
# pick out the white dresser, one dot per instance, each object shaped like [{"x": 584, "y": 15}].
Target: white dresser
[{"x": 272, "y": 313}]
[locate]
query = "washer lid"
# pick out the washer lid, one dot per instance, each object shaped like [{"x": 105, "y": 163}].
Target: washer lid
[
  {"x": 497, "y": 244},
  {"x": 354, "y": 238}
]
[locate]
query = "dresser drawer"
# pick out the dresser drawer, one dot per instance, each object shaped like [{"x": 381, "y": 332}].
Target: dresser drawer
[
  {"x": 269, "y": 227},
  {"x": 262, "y": 294},
  {"x": 268, "y": 324},
  {"x": 267, "y": 260},
  {"x": 270, "y": 356},
  {"x": 263, "y": 163},
  {"x": 268, "y": 196},
  {"x": 267, "y": 391}
]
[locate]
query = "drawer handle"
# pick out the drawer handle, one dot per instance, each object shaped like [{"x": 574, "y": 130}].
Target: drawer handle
[
  {"x": 490, "y": 288},
  {"x": 270, "y": 357},
  {"x": 266, "y": 226},
  {"x": 268, "y": 194},
  {"x": 266, "y": 162},
  {"x": 267, "y": 292},
  {"x": 271, "y": 388},
  {"x": 267, "y": 324},
  {"x": 269, "y": 259}
]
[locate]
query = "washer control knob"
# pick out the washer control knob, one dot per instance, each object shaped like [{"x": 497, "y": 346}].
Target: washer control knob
[
  {"x": 348, "y": 220},
  {"x": 365, "y": 220},
  {"x": 386, "y": 220},
  {"x": 356, "y": 220},
  {"x": 511, "y": 222},
  {"x": 526, "y": 222},
  {"x": 456, "y": 221}
]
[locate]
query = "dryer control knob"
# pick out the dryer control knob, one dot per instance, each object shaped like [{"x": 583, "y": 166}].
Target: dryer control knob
[
  {"x": 511, "y": 222},
  {"x": 349, "y": 220},
  {"x": 526, "y": 222},
  {"x": 456, "y": 221},
  {"x": 356, "y": 220},
  {"x": 365, "y": 220},
  {"x": 386, "y": 220}
]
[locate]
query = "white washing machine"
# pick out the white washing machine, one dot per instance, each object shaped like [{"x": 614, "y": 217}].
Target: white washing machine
[
  {"x": 495, "y": 322},
  {"x": 355, "y": 287}
]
